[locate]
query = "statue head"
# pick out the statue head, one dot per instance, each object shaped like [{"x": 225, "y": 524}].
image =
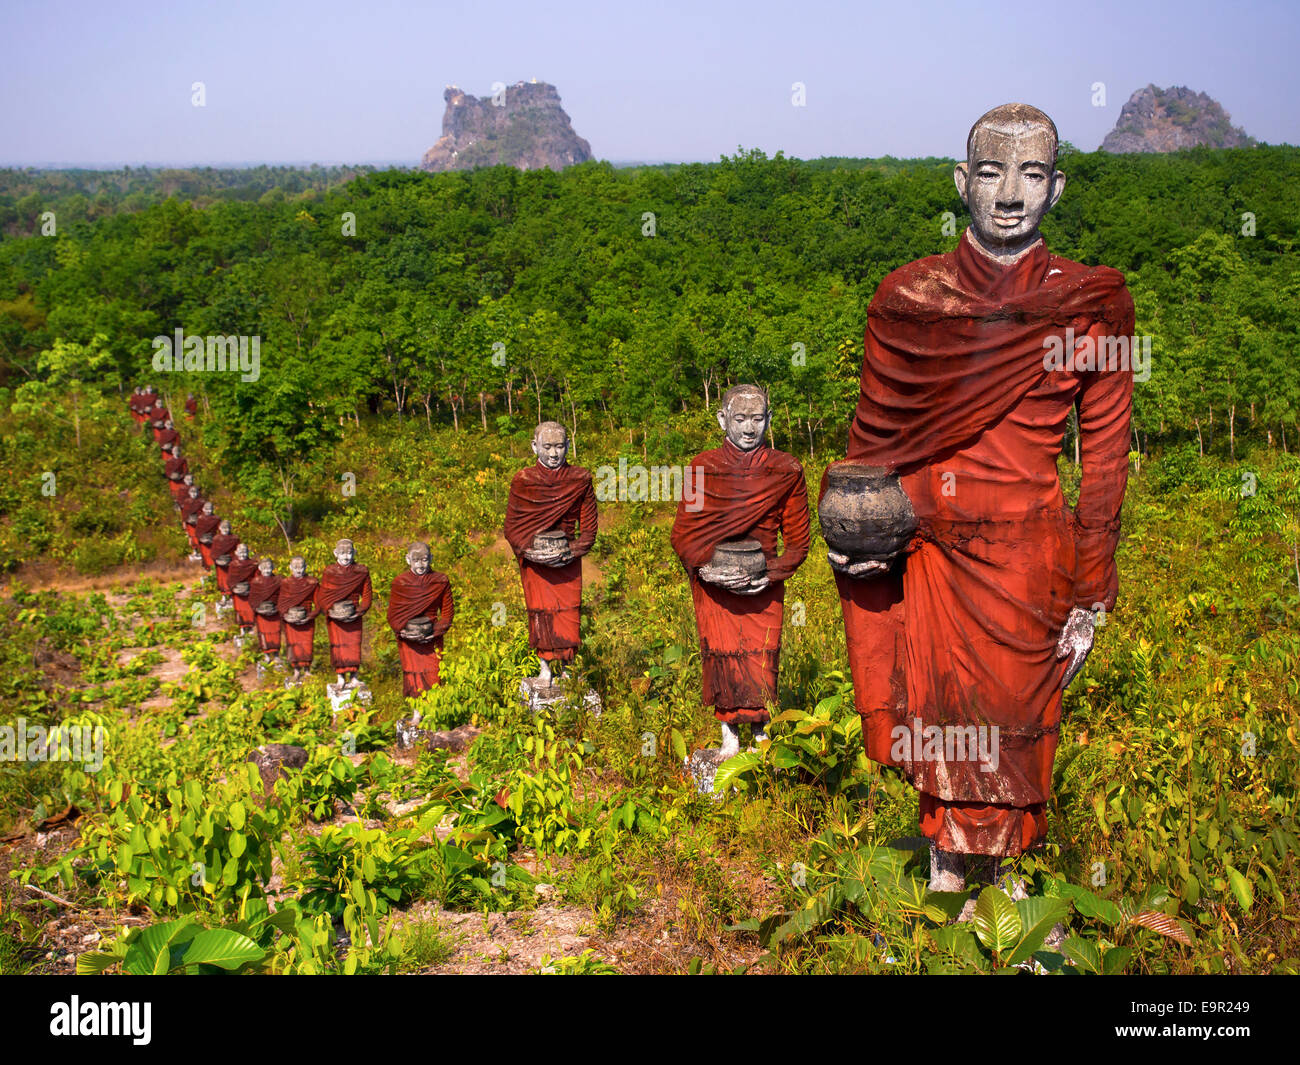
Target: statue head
[
  {"x": 265, "y": 567},
  {"x": 417, "y": 557},
  {"x": 344, "y": 553},
  {"x": 158, "y": 404},
  {"x": 176, "y": 452},
  {"x": 139, "y": 390},
  {"x": 224, "y": 527},
  {"x": 551, "y": 444},
  {"x": 188, "y": 480},
  {"x": 297, "y": 566},
  {"x": 167, "y": 424},
  {"x": 241, "y": 552},
  {"x": 744, "y": 416},
  {"x": 1009, "y": 180},
  {"x": 207, "y": 507},
  {"x": 194, "y": 488}
]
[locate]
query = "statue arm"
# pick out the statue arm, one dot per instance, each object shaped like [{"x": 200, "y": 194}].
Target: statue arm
[
  {"x": 367, "y": 594},
  {"x": 446, "y": 611},
  {"x": 1105, "y": 406},
  {"x": 796, "y": 534}
]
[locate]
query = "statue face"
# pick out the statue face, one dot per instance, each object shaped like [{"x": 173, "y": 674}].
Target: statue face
[
  {"x": 1009, "y": 184},
  {"x": 224, "y": 527},
  {"x": 551, "y": 446},
  {"x": 297, "y": 567},
  {"x": 194, "y": 491},
  {"x": 176, "y": 453},
  {"x": 241, "y": 552},
  {"x": 265, "y": 567},
  {"x": 343, "y": 553},
  {"x": 207, "y": 508},
  {"x": 418, "y": 559},
  {"x": 745, "y": 422}
]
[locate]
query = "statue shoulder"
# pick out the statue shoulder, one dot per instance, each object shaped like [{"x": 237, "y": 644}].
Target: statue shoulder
[
  {"x": 784, "y": 462},
  {"x": 912, "y": 280}
]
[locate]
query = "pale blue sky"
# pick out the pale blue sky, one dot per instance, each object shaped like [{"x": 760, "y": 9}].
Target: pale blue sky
[{"x": 95, "y": 83}]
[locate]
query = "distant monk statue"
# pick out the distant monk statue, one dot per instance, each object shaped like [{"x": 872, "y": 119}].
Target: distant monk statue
[
  {"x": 167, "y": 438},
  {"x": 420, "y": 610},
  {"x": 963, "y": 635},
  {"x": 240, "y": 574},
  {"x": 191, "y": 508},
  {"x": 264, "y": 594},
  {"x": 223, "y": 554},
  {"x": 175, "y": 469},
  {"x": 158, "y": 418},
  {"x": 191, "y": 407},
  {"x": 344, "y": 597},
  {"x": 135, "y": 405},
  {"x": 205, "y": 531},
  {"x": 299, "y": 611},
  {"x": 550, "y": 525},
  {"x": 747, "y": 495}
]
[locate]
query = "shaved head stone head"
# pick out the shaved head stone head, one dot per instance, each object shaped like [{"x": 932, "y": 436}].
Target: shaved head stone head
[
  {"x": 552, "y": 427},
  {"x": 736, "y": 392},
  {"x": 1011, "y": 118}
]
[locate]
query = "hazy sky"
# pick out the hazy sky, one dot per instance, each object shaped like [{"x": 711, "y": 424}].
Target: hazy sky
[{"x": 95, "y": 83}]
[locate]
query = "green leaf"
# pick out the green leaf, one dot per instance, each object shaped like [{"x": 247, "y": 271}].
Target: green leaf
[
  {"x": 150, "y": 954},
  {"x": 679, "y": 745},
  {"x": 237, "y": 815},
  {"x": 1240, "y": 887},
  {"x": 732, "y": 768},
  {"x": 997, "y": 921},
  {"x": 1083, "y": 953},
  {"x": 959, "y": 941},
  {"x": 1115, "y": 960},
  {"x": 94, "y": 962},
  {"x": 1037, "y": 915},
  {"x": 222, "y": 947},
  {"x": 238, "y": 844}
]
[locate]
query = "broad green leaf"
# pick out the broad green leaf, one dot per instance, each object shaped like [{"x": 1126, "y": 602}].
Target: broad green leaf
[
  {"x": 222, "y": 947},
  {"x": 959, "y": 940},
  {"x": 1240, "y": 887},
  {"x": 996, "y": 921},
  {"x": 1115, "y": 959},
  {"x": 1037, "y": 915},
  {"x": 732, "y": 768},
  {"x": 1083, "y": 953}
]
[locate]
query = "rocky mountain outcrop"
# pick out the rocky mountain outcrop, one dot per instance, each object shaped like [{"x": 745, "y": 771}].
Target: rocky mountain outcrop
[
  {"x": 1165, "y": 120},
  {"x": 524, "y": 127}
]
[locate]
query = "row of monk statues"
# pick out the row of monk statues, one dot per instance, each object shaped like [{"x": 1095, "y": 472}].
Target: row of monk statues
[{"x": 966, "y": 583}]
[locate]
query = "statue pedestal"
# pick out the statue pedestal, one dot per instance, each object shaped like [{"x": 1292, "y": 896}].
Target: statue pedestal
[
  {"x": 349, "y": 693},
  {"x": 537, "y": 695},
  {"x": 702, "y": 766},
  {"x": 263, "y": 667},
  {"x": 194, "y": 556},
  {"x": 223, "y": 606}
]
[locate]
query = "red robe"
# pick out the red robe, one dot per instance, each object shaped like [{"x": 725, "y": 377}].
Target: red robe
[
  {"x": 180, "y": 467},
  {"x": 336, "y": 584},
  {"x": 223, "y": 545},
  {"x": 300, "y": 636},
  {"x": 136, "y": 405},
  {"x": 205, "y": 525},
  {"x": 191, "y": 408},
  {"x": 167, "y": 436},
  {"x": 540, "y": 500},
  {"x": 238, "y": 571},
  {"x": 159, "y": 415},
  {"x": 262, "y": 589},
  {"x": 755, "y": 495},
  {"x": 413, "y": 596},
  {"x": 957, "y": 399},
  {"x": 191, "y": 508}
]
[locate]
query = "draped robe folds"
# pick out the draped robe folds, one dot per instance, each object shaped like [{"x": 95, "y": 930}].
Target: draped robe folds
[
  {"x": 180, "y": 467},
  {"x": 266, "y": 589},
  {"x": 336, "y": 584},
  {"x": 958, "y": 398},
  {"x": 420, "y": 595},
  {"x": 540, "y": 500},
  {"x": 756, "y": 495},
  {"x": 300, "y": 636},
  {"x": 239, "y": 571},
  {"x": 223, "y": 545},
  {"x": 167, "y": 436},
  {"x": 159, "y": 414},
  {"x": 191, "y": 508},
  {"x": 206, "y": 525},
  {"x": 191, "y": 408}
]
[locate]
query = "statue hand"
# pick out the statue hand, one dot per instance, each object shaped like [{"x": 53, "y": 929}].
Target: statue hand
[
  {"x": 1075, "y": 642},
  {"x": 870, "y": 568}
]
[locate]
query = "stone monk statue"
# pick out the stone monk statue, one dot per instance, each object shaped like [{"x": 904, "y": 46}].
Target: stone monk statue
[
  {"x": 420, "y": 610},
  {"x": 264, "y": 594},
  {"x": 749, "y": 495},
  {"x": 961, "y": 647},
  {"x": 191, "y": 508},
  {"x": 223, "y": 553},
  {"x": 299, "y": 611},
  {"x": 344, "y": 597},
  {"x": 550, "y": 524},
  {"x": 240, "y": 574},
  {"x": 175, "y": 469},
  {"x": 205, "y": 530}
]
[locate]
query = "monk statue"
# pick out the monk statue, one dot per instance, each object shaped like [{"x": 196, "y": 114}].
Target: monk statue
[
  {"x": 969, "y": 609},
  {"x": 191, "y": 507},
  {"x": 175, "y": 468},
  {"x": 167, "y": 438},
  {"x": 550, "y": 525},
  {"x": 223, "y": 553},
  {"x": 158, "y": 418},
  {"x": 191, "y": 406},
  {"x": 344, "y": 597},
  {"x": 420, "y": 609},
  {"x": 133, "y": 404},
  {"x": 299, "y": 611},
  {"x": 264, "y": 594},
  {"x": 748, "y": 495},
  {"x": 240, "y": 574},
  {"x": 205, "y": 531}
]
